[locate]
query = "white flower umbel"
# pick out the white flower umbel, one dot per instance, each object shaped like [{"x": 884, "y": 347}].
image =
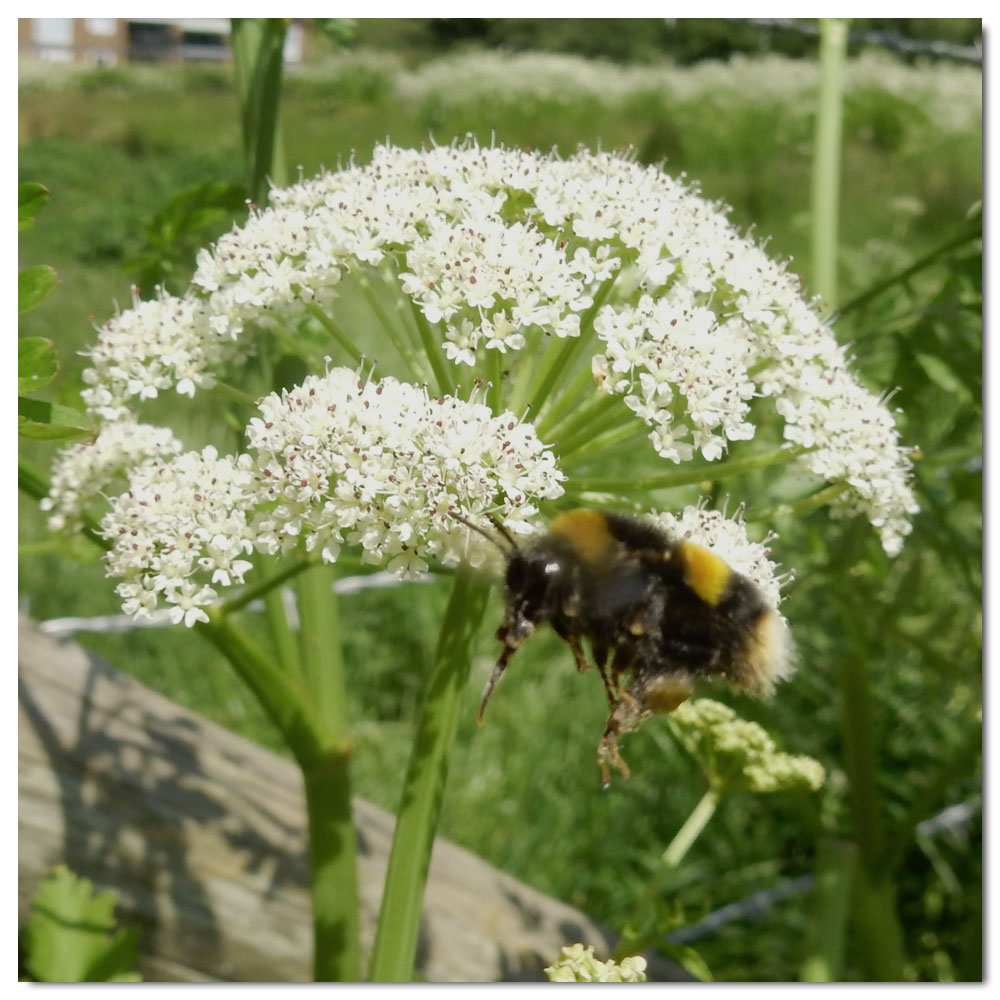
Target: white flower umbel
[
  {"x": 83, "y": 472},
  {"x": 180, "y": 528},
  {"x": 376, "y": 464},
  {"x": 587, "y": 293},
  {"x": 383, "y": 465}
]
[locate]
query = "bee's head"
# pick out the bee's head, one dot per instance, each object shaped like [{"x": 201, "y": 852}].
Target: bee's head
[{"x": 529, "y": 591}]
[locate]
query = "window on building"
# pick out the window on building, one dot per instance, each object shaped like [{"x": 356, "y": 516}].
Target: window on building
[
  {"x": 102, "y": 27},
  {"x": 52, "y": 30}
]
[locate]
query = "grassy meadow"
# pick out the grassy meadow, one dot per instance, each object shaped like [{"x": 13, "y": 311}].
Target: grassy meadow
[{"x": 114, "y": 146}]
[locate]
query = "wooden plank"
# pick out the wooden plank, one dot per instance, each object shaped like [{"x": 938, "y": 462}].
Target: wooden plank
[{"x": 201, "y": 834}]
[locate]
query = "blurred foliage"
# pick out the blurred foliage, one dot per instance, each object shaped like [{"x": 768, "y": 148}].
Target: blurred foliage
[
  {"x": 685, "y": 39},
  {"x": 523, "y": 790}
]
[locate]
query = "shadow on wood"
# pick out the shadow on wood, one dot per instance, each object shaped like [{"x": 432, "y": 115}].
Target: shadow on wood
[{"x": 201, "y": 834}]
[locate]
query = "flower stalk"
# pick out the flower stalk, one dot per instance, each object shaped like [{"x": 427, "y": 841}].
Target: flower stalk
[{"x": 392, "y": 958}]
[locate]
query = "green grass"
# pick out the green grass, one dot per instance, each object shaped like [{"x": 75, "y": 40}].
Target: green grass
[{"x": 523, "y": 789}]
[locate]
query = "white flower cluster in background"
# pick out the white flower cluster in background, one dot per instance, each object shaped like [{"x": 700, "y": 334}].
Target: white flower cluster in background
[{"x": 947, "y": 94}]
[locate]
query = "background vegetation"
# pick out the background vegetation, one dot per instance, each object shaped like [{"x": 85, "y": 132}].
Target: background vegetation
[{"x": 888, "y": 695}]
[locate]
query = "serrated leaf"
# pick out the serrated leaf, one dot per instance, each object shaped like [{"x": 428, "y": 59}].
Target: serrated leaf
[
  {"x": 34, "y": 286},
  {"x": 30, "y": 199},
  {"x": 50, "y": 421},
  {"x": 37, "y": 364},
  {"x": 70, "y": 935}
]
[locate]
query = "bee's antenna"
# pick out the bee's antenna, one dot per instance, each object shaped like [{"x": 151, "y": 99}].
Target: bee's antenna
[{"x": 496, "y": 524}]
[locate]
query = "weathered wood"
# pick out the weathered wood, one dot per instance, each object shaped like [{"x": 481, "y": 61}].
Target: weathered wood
[{"x": 201, "y": 834}]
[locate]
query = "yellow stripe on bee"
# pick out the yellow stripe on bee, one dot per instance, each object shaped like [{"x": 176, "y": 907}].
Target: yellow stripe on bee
[
  {"x": 586, "y": 531},
  {"x": 705, "y": 573}
]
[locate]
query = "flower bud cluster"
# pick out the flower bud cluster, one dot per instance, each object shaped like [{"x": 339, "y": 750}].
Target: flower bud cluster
[
  {"x": 737, "y": 755},
  {"x": 576, "y": 964}
]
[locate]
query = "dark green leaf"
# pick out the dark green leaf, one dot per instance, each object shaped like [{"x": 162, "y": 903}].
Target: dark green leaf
[
  {"x": 30, "y": 199},
  {"x": 37, "y": 364},
  {"x": 34, "y": 286}
]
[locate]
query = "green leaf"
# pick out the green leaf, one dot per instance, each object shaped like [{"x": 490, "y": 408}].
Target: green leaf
[
  {"x": 50, "y": 421},
  {"x": 942, "y": 374},
  {"x": 30, "y": 199},
  {"x": 37, "y": 364},
  {"x": 70, "y": 935},
  {"x": 34, "y": 286}
]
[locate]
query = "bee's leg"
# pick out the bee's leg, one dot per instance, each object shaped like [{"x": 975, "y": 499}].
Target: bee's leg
[
  {"x": 626, "y": 711},
  {"x": 611, "y": 687},
  {"x": 607, "y": 752},
  {"x": 501, "y": 666},
  {"x": 573, "y": 641}
]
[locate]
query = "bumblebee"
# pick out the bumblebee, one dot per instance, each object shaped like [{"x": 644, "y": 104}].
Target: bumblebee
[{"x": 658, "y": 613}]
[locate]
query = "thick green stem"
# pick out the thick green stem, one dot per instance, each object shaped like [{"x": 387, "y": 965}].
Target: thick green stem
[
  {"x": 333, "y": 870},
  {"x": 393, "y": 956},
  {"x": 332, "y": 837},
  {"x": 691, "y": 829},
  {"x": 826, "y": 940},
  {"x": 282, "y": 697},
  {"x": 826, "y": 161}
]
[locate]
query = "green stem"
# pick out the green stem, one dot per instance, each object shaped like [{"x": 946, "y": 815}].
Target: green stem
[
  {"x": 586, "y": 413},
  {"x": 333, "y": 870},
  {"x": 623, "y": 424},
  {"x": 971, "y": 231},
  {"x": 393, "y": 956},
  {"x": 332, "y": 837},
  {"x": 686, "y": 477},
  {"x": 494, "y": 387},
  {"x": 406, "y": 354},
  {"x": 549, "y": 425},
  {"x": 555, "y": 362},
  {"x": 322, "y": 659},
  {"x": 825, "y": 940},
  {"x": 827, "y": 155},
  {"x": 284, "y": 700},
  {"x": 226, "y": 391},
  {"x": 331, "y": 328},
  {"x": 801, "y": 506},
  {"x": 438, "y": 362},
  {"x": 267, "y": 585},
  {"x": 258, "y": 45},
  {"x": 691, "y": 829}
]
